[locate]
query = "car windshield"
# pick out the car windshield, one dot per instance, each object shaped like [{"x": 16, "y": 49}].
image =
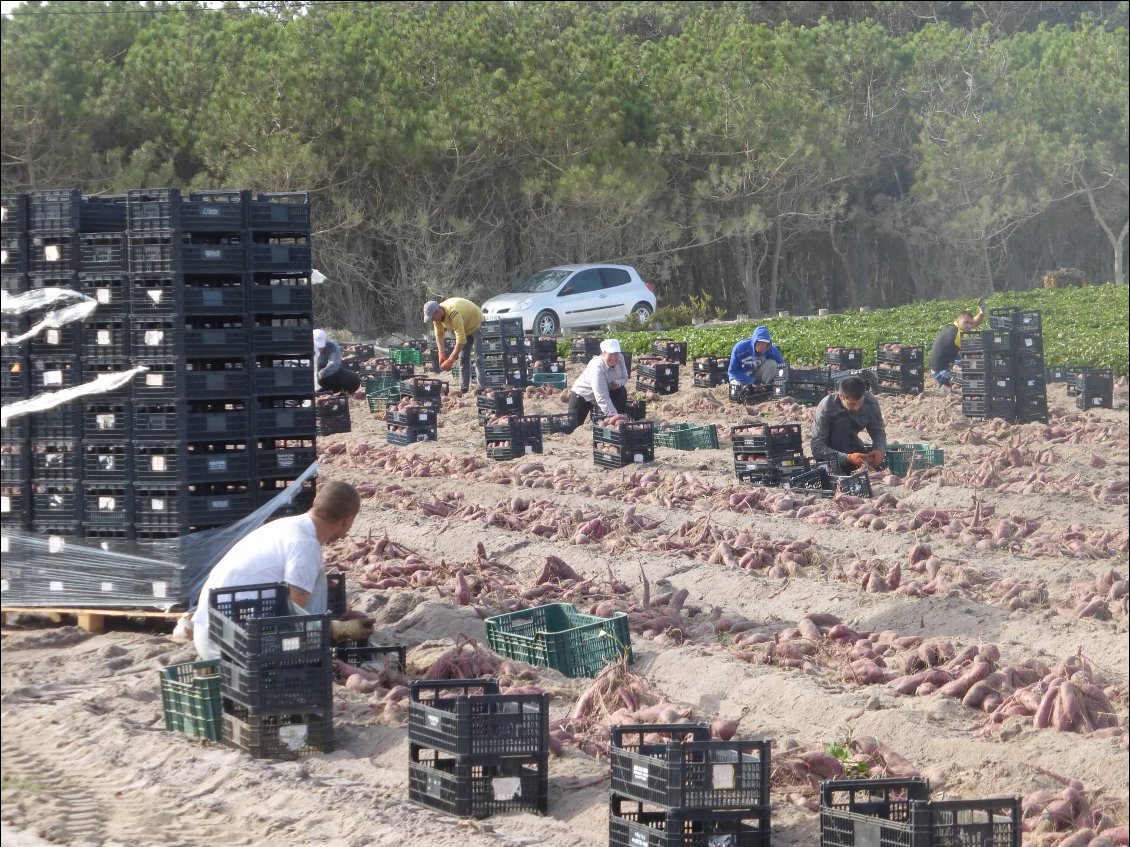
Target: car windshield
[{"x": 542, "y": 282}]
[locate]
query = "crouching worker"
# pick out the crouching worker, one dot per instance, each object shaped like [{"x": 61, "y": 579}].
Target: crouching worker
[
  {"x": 288, "y": 550},
  {"x": 840, "y": 418},
  {"x": 330, "y": 374},
  {"x": 754, "y": 360},
  {"x": 603, "y": 384}
]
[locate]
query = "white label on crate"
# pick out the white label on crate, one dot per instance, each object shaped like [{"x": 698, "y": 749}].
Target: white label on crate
[
  {"x": 637, "y": 839},
  {"x": 509, "y": 400},
  {"x": 638, "y": 458},
  {"x": 153, "y": 379},
  {"x": 723, "y": 777},
  {"x": 56, "y": 544},
  {"x": 3, "y": 585},
  {"x": 423, "y": 417},
  {"x": 107, "y": 587},
  {"x": 5, "y": 544},
  {"x": 210, "y": 211},
  {"x": 104, "y": 338},
  {"x": 154, "y": 294},
  {"x": 293, "y": 736},
  {"x": 157, "y": 463},
  {"x": 435, "y": 786},
  {"x": 52, "y": 253},
  {"x": 639, "y": 774},
  {"x": 107, "y": 504},
  {"x": 423, "y": 436},
  {"x": 212, "y": 254},
  {"x": 432, "y": 721},
  {"x": 157, "y": 504},
  {"x": 52, "y": 377},
  {"x": 160, "y": 589},
  {"x": 154, "y": 337},
  {"x": 104, "y": 421},
  {"x": 284, "y": 460},
  {"x": 102, "y": 295},
  {"x": 107, "y": 462},
  {"x": 5, "y": 503},
  {"x": 291, "y": 644},
  {"x": 506, "y": 787},
  {"x": 55, "y": 585},
  {"x": 1028, "y": 342},
  {"x": 219, "y": 503},
  {"x": 217, "y": 464},
  {"x": 53, "y": 336},
  {"x": 529, "y": 448}
]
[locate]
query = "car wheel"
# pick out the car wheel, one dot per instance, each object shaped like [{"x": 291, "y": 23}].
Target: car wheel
[
  {"x": 642, "y": 311},
  {"x": 546, "y": 323}
]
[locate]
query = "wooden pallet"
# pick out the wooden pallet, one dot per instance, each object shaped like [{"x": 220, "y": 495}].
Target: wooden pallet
[{"x": 89, "y": 620}]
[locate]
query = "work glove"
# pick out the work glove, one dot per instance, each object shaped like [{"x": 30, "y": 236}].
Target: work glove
[
  {"x": 856, "y": 459},
  {"x": 447, "y": 364},
  {"x": 357, "y": 629},
  {"x": 981, "y": 304}
]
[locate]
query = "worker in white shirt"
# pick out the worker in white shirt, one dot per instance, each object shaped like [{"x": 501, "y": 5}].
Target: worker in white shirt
[{"x": 602, "y": 384}]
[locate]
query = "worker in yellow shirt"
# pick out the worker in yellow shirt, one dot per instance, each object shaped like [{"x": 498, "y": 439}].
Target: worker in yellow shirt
[{"x": 463, "y": 318}]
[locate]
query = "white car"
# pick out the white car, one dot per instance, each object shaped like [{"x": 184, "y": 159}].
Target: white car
[{"x": 572, "y": 296}]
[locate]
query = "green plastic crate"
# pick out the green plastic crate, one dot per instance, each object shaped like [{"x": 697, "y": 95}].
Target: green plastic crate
[
  {"x": 556, "y": 380},
  {"x": 901, "y": 457},
  {"x": 379, "y": 402},
  {"x": 406, "y": 355},
  {"x": 558, "y": 636},
  {"x": 685, "y": 436},
  {"x": 378, "y": 384},
  {"x": 190, "y": 694}
]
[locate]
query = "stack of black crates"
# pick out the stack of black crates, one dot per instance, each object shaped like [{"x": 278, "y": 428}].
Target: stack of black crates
[
  {"x": 497, "y": 402},
  {"x": 1092, "y": 388},
  {"x": 657, "y": 374},
  {"x": 276, "y": 672},
  {"x": 543, "y": 356},
  {"x": 689, "y": 790},
  {"x": 899, "y": 368},
  {"x": 474, "y": 752},
  {"x": 583, "y": 348},
  {"x": 805, "y": 385},
  {"x": 517, "y": 436},
  {"x": 768, "y": 454},
  {"x": 419, "y": 421},
  {"x": 668, "y": 348},
  {"x": 501, "y": 350},
  {"x": 709, "y": 371},
  {"x": 211, "y": 293},
  {"x": 843, "y": 358},
  {"x": 1002, "y": 368},
  {"x": 627, "y": 444}
]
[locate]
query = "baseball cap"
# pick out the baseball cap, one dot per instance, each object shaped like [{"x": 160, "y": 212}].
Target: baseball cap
[
  {"x": 610, "y": 345},
  {"x": 430, "y": 309}
]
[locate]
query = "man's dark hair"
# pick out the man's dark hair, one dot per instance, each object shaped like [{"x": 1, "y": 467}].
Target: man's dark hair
[
  {"x": 336, "y": 500},
  {"x": 965, "y": 313},
  {"x": 853, "y": 388}
]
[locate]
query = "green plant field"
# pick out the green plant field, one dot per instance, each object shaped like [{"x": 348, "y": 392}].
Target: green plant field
[{"x": 1082, "y": 326}]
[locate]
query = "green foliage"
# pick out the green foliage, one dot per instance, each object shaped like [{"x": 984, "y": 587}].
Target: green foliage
[
  {"x": 1081, "y": 326},
  {"x": 853, "y": 768}
]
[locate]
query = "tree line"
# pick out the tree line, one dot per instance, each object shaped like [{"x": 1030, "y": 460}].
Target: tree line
[{"x": 772, "y": 155}]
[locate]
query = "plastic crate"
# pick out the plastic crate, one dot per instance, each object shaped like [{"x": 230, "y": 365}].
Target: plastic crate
[
  {"x": 379, "y": 402},
  {"x": 635, "y": 434},
  {"x": 288, "y": 736},
  {"x": 636, "y": 410},
  {"x": 287, "y": 211},
  {"x": 558, "y": 636},
  {"x": 106, "y": 460},
  {"x": 68, "y": 211},
  {"x": 754, "y": 393},
  {"x": 554, "y": 424},
  {"x": 702, "y": 774},
  {"x": 13, "y": 213},
  {"x": 857, "y": 485},
  {"x": 686, "y": 436},
  {"x": 844, "y": 358},
  {"x": 904, "y": 354},
  {"x": 168, "y": 254},
  {"x": 898, "y": 813},
  {"x": 284, "y": 417},
  {"x": 708, "y": 380},
  {"x": 470, "y": 718},
  {"x": 413, "y": 416},
  {"x": 406, "y": 355},
  {"x": 555, "y": 380},
  {"x": 500, "y": 328},
  {"x": 160, "y": 209},
  {"x": 372, "y": 657},
  {"x": 190, "y": 697},
  {"x": 422, "y": 388},
  {"x": 282, "y": 333},
  {"x": 55, "y": 459},
  {"x": 257, "y": 620},
  {"x": 514, "y": 450},
  {"x": 902, "y": 457},
  {"x": 282, "y": 258},
  {"x": 767, "y": 438},
  {"x": 478, "y": 788},
  {"x": 56, "y": 342},
  {"x": 656, "y": 386},
  {"x": 403, "y": 436},
  {"x": 56, "y": 501},
  {"x": 107, "y": 504},
  {"x": 15, "y": 463},
  {"x": 814, "y": 481},
  {"x": 280, "y": 293},
  {"x": 635, "y": 824},
  {"x": 810, "y": 394},
  {"x": 671, "y": 349},
  {"x": 13, "y": 254},
  {"x": 297, "y": 681},
  {"x": 522, "y": 428},
  {"x": 102, "y": 252},
  {"x": 332, "y": 415},
  {"x": 621, "y": 457}
]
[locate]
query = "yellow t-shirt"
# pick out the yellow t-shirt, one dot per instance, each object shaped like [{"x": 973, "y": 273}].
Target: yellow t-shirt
[{"x": 460, "y": 316}]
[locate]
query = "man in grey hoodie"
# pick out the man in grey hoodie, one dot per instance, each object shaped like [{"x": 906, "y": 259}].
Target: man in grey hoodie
[{"x": 839, "y": 419}]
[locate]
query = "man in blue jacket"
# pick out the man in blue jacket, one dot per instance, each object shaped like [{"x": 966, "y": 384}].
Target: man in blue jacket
[{"x": 754, "y": 360}]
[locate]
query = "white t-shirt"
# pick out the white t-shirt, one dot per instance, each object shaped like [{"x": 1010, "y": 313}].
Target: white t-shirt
[
  {"x": 597, "y": 379},
  {"x": 286, "y": 550}
]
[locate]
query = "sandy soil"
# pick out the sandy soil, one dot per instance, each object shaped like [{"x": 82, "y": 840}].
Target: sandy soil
[{"x": 86, "y": 760}]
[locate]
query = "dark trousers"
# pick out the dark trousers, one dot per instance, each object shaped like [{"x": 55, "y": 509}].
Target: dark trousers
[
  {"x": 580, "y": 408},
  {"x": 344, "y": 380},
  {"x": 465, "y": 362},
  {"x": 844, "y": 437}
]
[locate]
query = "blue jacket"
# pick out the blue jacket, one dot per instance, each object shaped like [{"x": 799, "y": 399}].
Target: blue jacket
[{"x": 744, "y": 362}]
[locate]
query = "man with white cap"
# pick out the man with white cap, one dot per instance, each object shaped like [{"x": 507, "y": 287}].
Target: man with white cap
[
  {"x": 463, "y": 318},
  {"x": 603, "y": 383},
  {"x": 329, "y": 373}
]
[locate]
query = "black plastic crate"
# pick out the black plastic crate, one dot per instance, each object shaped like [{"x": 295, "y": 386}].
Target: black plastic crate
[
  {"x": 218, "y": 420},
  {"x": 554, "y": 424},
  {"x": 670, "y": 349},
  {"x": 216, "y": 377},
  {"x": 1088, "y": 399},
  {"x": 492, "y": 402},
  {"x": 620, "y": 457},
  {"x": 279, "y": 375},
  {"x": 1056, "y": 374},
  {"x": 479, "y": 787},
  {"x": 283, "y": 293},
  {"x": 55, "y": 459},
  {"x": 102, "y": 252},
  {"x": 13, "y": 213},
  {"x": 767, "y": 438},
  {"x": 297, "y": 681},
  {"x": 1031, "y": 386},
  {"x": 169, "y": 254},
  {"x": 708, "y": 380},
  {"x": 14, "y": 283},
  {"x": 636, "y": 410},
  {"x": 162, "y": 209},
  {"x": 285, "y": 417},
  {"x": 633, "y": 435},
  {"x": 660, "y": 371},
  {"x": 282, "y": 333},
  {"x": 332, "y": 415},
  {"x": 501, "y": 328},
  {"x": 973, "y": 383},
  {"x": 422, "y": 388},
  {"x": 402, "y": 436},
  {"x": 260, "y": 620},
  {"x": 635, "y": 824},
  {"x": 106, "y": 460},
  {"x": 279, "y": 456},
  {"x": 69, "y": 211},
  {"x": 56, "y": 501},
  {"x": 815, "y": 480},
  {"x": 794, "y": 462},
  {"x": 469, "y": 717},
  {"x": 56, "y": 342},
  {"x": 13, "y": 254},
  {"x": 63, "y": 421},
  {"x": 288, "y": 736},
  {"x": 516, "y": 428},
  {"x": 844, "y": 358},
  {"x": 899, "y": 813},
  {"x": 281, "y": 212},
  {"x": 749, "y": 393},
  {"x": 197, "y": 505},
  {"x": 505, "y": 451},
  {"x": 281, "y": 258},
  {"x": 15, "y": 462},
  {"x": 176, "y": 462},
  {"x": 657, "y": 386},
  {"x": 372, "y": 657},
  {"x": 106, "y": 418},
  {"x": 985, "y": 406},
  {"x": 896, "y": 352},
  {"x": 107, "y": 505},
  {"x": 543, "y": 347},
  {"x": 904, "y": 385},
  {"x": 15, "y": 505},
  {"x": 267, "y": 489},
  {"x": 689, "y": 773},
  {"x": 413, "y": 416},
  {"x": 857, "y": 485}
]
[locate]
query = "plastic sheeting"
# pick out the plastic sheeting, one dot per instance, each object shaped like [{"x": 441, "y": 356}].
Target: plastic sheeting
[
  {"x": 79, "y": 307},
  {"x": 103, "y": 384},
  {"x": 58, "y": 572}
]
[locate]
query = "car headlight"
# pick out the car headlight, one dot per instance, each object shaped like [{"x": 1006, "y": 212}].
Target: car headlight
[{"x": 523, "y": 305}]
